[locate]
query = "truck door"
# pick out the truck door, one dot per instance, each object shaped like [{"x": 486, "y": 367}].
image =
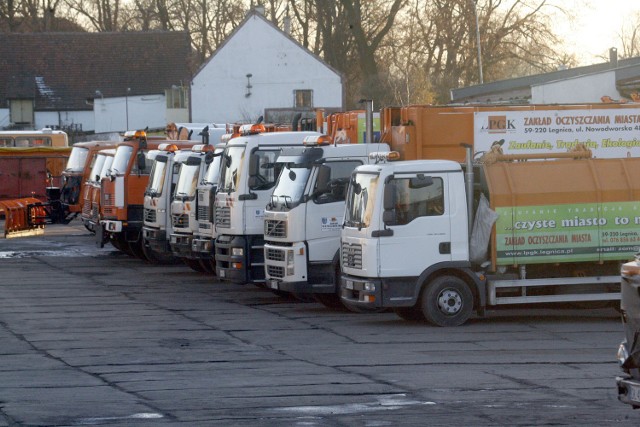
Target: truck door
[
  {"x": 326, "y": 214},
  {"x": 421, "y": 225}
]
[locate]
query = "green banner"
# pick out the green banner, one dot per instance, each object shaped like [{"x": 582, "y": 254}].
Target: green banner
[{"x": 568, "y": 233}]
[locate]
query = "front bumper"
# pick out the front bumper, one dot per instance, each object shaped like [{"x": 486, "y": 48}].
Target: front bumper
[
  {"x": 202, "y": 248},
  {"x": 156, "y": 240},
  {"x": 240, "y": 259},
  {"x": 629, "y": 390},
  {"x": 181, "y": 245}
]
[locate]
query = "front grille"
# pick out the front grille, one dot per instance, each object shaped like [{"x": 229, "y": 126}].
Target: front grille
[
  {"x": 352, "y": 255},
  {"x": 108, "y": 211},
  {"x": 180, "y": 220},
  {"x": 275, "y": 254},
  {"x": 109, "y": 199},
  {"x": 204, "y": 225},
  {"x": 275, "y": 271},
  {"x": 275, "y": 228},
  {"x": 223, "y": 216},
  {"x": 203, "y": 213},
  {"x": 150, "y": 215}
]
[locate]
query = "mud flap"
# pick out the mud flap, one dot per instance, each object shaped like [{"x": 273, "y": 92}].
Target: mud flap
[{"x": 100, "y": 235}]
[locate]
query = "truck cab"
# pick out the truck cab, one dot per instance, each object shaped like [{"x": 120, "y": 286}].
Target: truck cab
[
  {"x": 304, "y": 218},
  {"x": 90, "y": 215},
  {"x": 157, "y": 201},
  {"x": 247, "y": 178},
  {"x": 184, "y": 206}
]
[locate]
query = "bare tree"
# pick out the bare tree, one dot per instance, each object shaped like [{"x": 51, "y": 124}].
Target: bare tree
[
  {"x": 102, "y": 15},
  {"x": 630, "y": 37}
]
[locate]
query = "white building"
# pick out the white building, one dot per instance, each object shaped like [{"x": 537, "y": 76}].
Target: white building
[
  {"x": 261, "y": 68},
  {"x": 613, "y": 80}
]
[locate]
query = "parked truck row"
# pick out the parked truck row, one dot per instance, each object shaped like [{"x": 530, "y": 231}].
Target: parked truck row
[{"x": 482, "y": 209}]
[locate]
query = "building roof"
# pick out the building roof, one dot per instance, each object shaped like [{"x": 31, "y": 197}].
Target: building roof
[
  {"x": 623, "y": 67},
  {"x": 62, "y": 70},
  {"x": 256, "y": 13}
]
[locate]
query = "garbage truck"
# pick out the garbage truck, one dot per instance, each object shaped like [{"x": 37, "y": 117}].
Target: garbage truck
[
  {"x": 434, "y": 240},
  {"x": 303, "y": 219},
  {"x": 247, "y": 177},
  {"x": 629, "y": 350}
]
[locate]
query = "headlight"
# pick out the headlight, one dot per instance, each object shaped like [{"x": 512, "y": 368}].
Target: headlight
[
  {"x": 623, "y": 354},
  {"x": 290, "y": 263},
  {"x": 237, "y": 251},
  {"x": 370, "y": 287}
]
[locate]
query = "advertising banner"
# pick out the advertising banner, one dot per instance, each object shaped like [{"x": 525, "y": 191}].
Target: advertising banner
[
  {"x": 608, "y": 133},
  {"x": 572, "y": 232}
]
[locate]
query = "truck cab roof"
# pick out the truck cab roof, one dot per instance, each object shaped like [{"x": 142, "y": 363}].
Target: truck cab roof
[
  {"x": 413, "y": 166},
  {"x": 272, "y": 138}
]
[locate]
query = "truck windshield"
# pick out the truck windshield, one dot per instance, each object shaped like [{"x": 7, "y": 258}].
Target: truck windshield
[
  {"x": 77, "y": 159},
  {"x": 156, "y": 179},
  {"x": 361, "y": 199},
  {"x": 290, "y": 187},
  {"x": 187, "y": 181},
  {"x": 232, "y": 162},
  {"x": 97, "y": 166},
  {"x": 121, "y": 159},
  {"x": 213, "y": 171},
  {"x": 108, "y": 161}
]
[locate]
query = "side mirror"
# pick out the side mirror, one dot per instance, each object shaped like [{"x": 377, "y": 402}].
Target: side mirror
[
  {"x": 420, "y": 181},
  {"x": 389, "y": 217},
  {"x": 208, "y": 158},
  {"x": 253, "y": 181},
  {"x": 142, "y": 161},
  {"x": 322, "y": 182}
]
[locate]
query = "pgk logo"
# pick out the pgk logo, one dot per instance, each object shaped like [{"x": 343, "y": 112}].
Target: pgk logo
[{"x": 499, "y": 124}]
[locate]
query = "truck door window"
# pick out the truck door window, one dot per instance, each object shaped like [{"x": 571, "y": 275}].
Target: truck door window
[
  {"x": 268, "y": 169},
  {"x": 412, "y": 203},
  {"x": 338, "y": 182}
]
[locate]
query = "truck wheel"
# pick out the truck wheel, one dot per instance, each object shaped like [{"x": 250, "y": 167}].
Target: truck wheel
[
  {"x": 121, "y": 244},
  {"x": 412, "y": 314},
  {"x": 136, "y": 249},
  {"x": 194, "y": 264},
  {"x": 447, "y": 301},
  {"x": 331, "y": 301}
]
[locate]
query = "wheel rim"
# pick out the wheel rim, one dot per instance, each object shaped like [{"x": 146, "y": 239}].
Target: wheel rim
[{"x": 449, "y": 301}]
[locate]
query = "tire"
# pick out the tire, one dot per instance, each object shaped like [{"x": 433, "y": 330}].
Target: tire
[
  {"x": 121, "y": 244},
  {"x": 207, "y": 266},
  {"x": 331, "y": 301},
  {"x": 194, "y": 264},
  {"x": 411, "y": 314},
  {"x": 157, "y": 258},
  {"x": 447, "y": 301},
  {"x": 136, "y": 249}
]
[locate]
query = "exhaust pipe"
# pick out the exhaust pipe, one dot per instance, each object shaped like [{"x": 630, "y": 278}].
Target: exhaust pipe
[
  {"x": 468, "y": 181},
  {"x": 368, "y": 120}
]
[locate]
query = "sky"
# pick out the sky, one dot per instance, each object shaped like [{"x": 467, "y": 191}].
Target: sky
[{"x": 596, "y": 26}]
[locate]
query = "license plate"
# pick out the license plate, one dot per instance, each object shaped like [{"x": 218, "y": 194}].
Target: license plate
[
  {"x": 634, "y": 393},
  {"x": 222, "y": 273},
  {"x": 348, "y": 284},
  {"x": 273, "y": 284}
]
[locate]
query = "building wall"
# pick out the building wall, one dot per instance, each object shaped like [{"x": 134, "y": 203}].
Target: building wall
[
  {"x": 278, "y": 67},
  {"x": 129, "y": 113},
  {"x": 589, "y": 88}
]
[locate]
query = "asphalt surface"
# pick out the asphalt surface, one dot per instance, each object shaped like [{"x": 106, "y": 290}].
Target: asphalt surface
[{"x": 91, "y": 336}]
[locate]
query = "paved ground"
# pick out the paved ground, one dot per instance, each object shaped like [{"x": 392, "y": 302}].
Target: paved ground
[{"x": 93, "y": 337}]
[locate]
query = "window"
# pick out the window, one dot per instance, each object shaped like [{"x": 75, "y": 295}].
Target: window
[
  {"x": 412, "y": 203},
  {"x": 268, "y": 170},
  {"x": 176, "y": 97},
  {"x": 21, "y": 111},
  {"x": 303, "y": 98},
  {"x": 338, "y": 181}
]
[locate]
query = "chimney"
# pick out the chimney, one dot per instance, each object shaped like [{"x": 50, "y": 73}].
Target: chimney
[{"x": 613, "y": 57}]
